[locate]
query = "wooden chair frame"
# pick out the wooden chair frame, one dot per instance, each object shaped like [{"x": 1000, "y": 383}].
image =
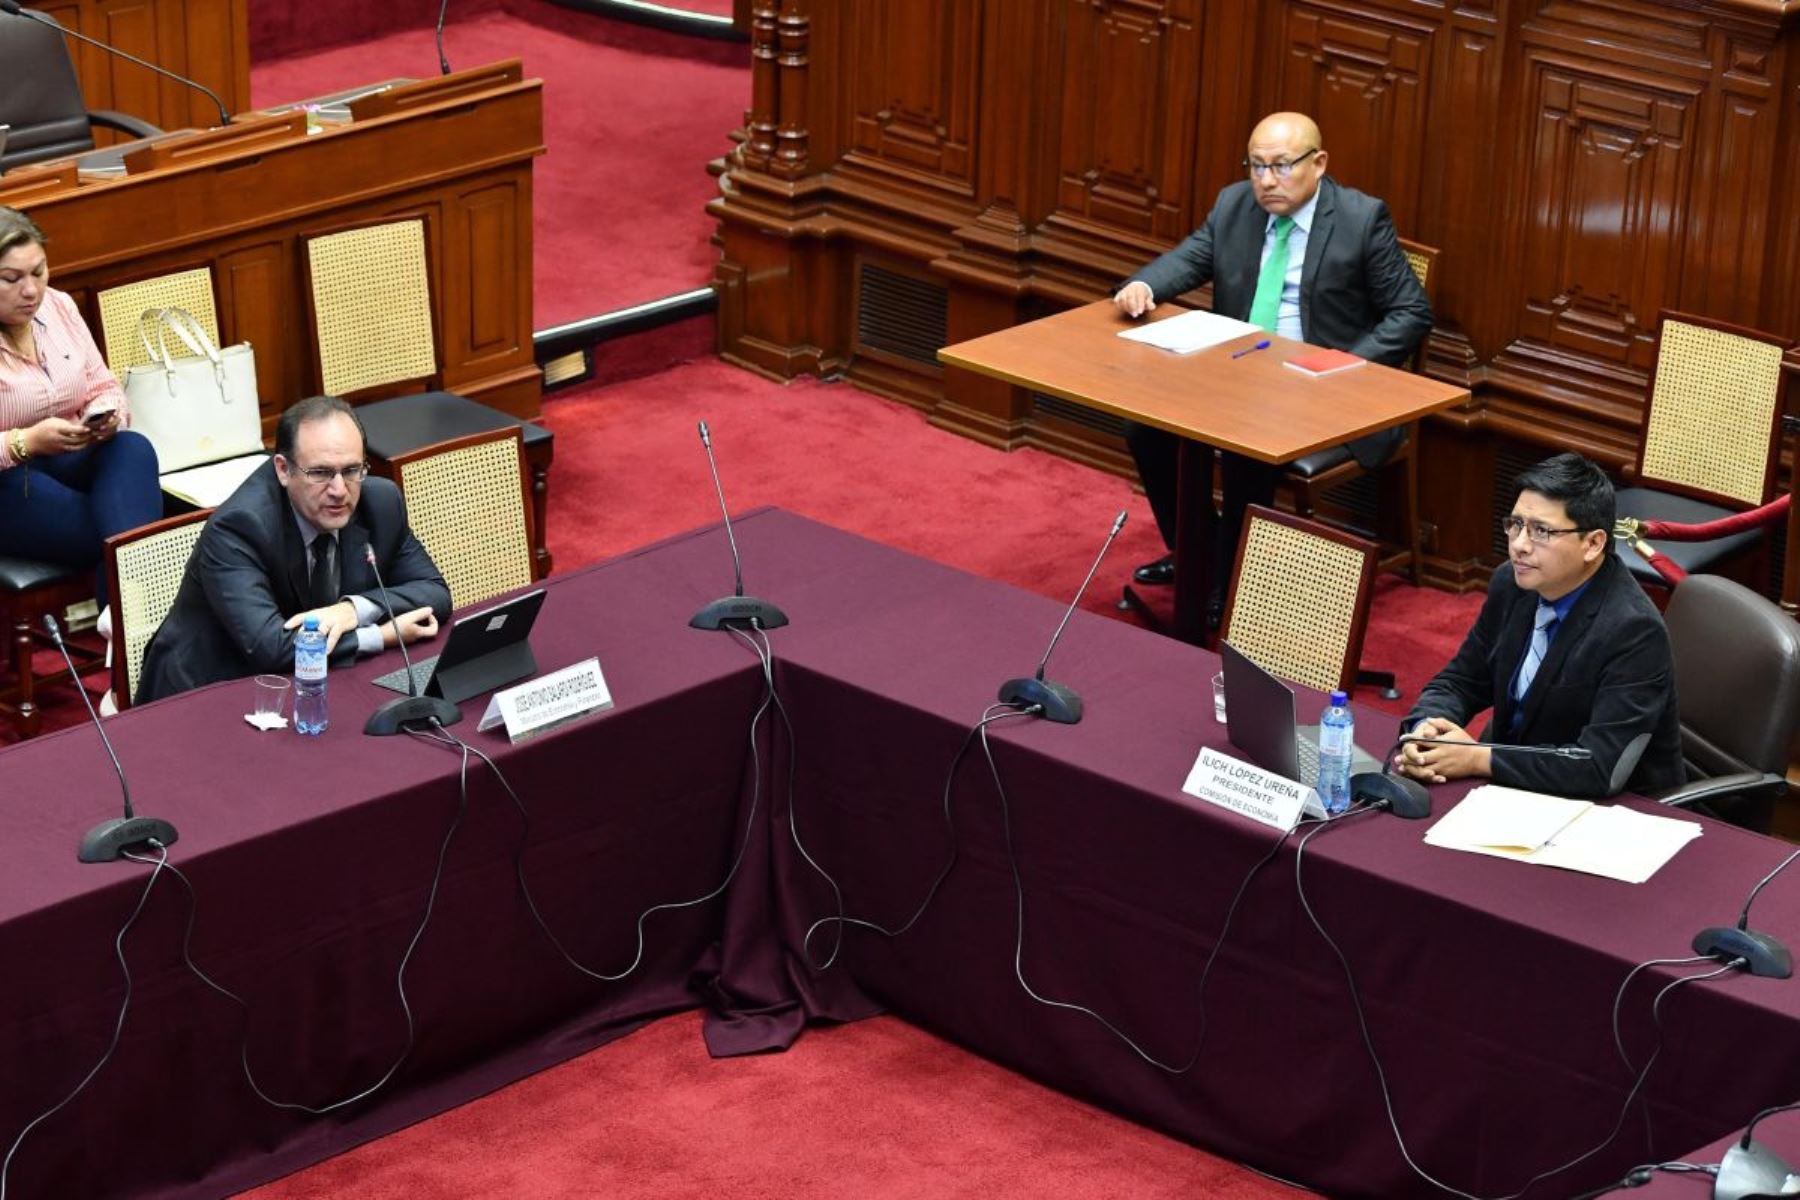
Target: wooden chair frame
[
  {"x": 1346, "y": 680},
  {"x": 24, "y": 612},
  {"x": 394, "y": 469},
  {"x": 121, "y": 671}
]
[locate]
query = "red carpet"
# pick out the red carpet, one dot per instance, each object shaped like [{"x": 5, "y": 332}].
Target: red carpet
[
  {"x": 653, "y": 1118},
  {"x": 620, "y": 103}
]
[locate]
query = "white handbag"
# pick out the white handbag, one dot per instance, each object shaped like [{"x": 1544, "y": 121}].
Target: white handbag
[{"x": 198, "y": 408}]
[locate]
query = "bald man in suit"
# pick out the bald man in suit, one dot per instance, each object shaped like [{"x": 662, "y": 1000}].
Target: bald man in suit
[{"x": 1346, "y": 285}]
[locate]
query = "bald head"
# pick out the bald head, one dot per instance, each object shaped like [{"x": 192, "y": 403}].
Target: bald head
[{"x": 1285, "y": 138}]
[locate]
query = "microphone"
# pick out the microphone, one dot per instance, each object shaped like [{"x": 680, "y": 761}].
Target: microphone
[
  {"x": 736, "y": 611},
  {"x": 108, "y": 840},
  {"x": 13, "y": 7},
  {"x": 1407, "y": 798},
  {"x": 1059, "y": 702},
  {"x": 1762, "y": 954},
  {"x": 1750, "y": 1170},
  {"x": 443, "y": 63},
  {"x": 411, "y": 711}
]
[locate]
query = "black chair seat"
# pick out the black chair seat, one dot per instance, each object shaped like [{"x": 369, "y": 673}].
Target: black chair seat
[
  {"x": 1313, "y": 465},
  {"x": 1696, "y": 558},
  {"x": 23, "y": 574},
  {"x": 426, "y": 418}
]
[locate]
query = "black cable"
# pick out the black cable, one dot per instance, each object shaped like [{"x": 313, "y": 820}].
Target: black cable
[
  {"x": 988, "y": 716},
  {"x": 1618, "y": 1037},
  {"x": 187, "y": 957},
  {"x": 1012, "y": 859},
  {"x": 446, "y": 738},
  {"x": 1637, "y": 1177},
  {"x": 158, "y": 863},
  {"x": 1776, "y": 1110},
  {"x": 766, "y": 653},
  {"x": 1744, "y": 917},
  {"x": 1387, "y": 1098}
]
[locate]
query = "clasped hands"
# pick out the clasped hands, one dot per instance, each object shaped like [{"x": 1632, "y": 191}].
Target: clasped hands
[
  {"x": 414, "y": 625},
  {"x": 1439, "y": 764}
]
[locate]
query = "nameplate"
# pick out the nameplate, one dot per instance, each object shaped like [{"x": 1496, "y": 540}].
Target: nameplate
[
  {"x": 1263, "y": 796},
  {"x": 541, "y": 704}
]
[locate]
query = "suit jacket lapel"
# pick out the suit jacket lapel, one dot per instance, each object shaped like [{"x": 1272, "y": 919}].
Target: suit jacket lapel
[
  {"x": 299, "y": 580},
  {"x": 1568, "y": 635},
  {"x": 1317, "y": 239},
  {"x": 1239, "y": 281}
]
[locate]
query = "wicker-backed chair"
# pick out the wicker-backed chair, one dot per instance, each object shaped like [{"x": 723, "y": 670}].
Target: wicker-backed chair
[
  {"x": 1711, "y": 436},
  {"x": 466, "y": 503},
  {"x": 122, "y": 307},
  {"x": 145, "y": 567},
  {"x": 1310, "y": 477},
  {"x": 370, "y": 294},
  {"x": 1299, "y": 598},
  {"x": 29, "y": 589}
]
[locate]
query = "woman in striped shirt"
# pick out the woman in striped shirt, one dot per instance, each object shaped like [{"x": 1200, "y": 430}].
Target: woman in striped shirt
[{"x": 71, "y": 475}]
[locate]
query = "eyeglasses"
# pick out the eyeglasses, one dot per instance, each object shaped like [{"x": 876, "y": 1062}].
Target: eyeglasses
[
  {"x": 1537, "y": 531},
  {"x": 1282, "y": 169},
  {"x": 322, "y": 476}
]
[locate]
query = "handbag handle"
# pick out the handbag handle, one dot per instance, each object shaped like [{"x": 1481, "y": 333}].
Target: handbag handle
[{"x": 191, "y": 333}]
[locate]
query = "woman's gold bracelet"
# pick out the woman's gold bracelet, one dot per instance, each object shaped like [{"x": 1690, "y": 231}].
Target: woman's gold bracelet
[{"x": 19, "y": 452}]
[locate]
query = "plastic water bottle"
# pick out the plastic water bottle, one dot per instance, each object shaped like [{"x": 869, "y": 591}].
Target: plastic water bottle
[
  {"x": 1337, "y": 741},
  {"x": 309, "y": 679}
]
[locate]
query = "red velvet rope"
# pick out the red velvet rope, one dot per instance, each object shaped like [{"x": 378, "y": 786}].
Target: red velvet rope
[{"x": 1723, "y": 527}]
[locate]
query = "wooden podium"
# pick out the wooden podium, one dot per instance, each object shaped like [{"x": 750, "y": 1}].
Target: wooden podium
[{"x": 1253, "y": 405}]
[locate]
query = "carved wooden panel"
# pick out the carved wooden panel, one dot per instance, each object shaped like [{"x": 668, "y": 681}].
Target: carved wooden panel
[
  {"x": 914, "y": 87},
  {"x": 1603, "y": 177},
  {"x": 206, "y": 40},
  {"x": 483, "y": 234},
  {"x": 1123, "y": 162},
  {"x": 257, "y": 306},
  {"x": 1365, "y": 79}
]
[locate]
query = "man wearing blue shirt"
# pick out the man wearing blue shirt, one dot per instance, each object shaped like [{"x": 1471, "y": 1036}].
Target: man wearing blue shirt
[
  {"x": 1567, "y": 651},
  {"x": 1294, "y": 251}
]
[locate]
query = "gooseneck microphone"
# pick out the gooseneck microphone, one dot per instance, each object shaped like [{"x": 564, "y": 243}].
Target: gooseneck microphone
[
  {"x": 1059, "y": 702},
  {"x": 411, "y": 711},
  {"x": 108, "y": 841},
  {"x": 14, "y": 8},
  {"x": 736, "y": 611},
  {"x": 443, "y": 62}
]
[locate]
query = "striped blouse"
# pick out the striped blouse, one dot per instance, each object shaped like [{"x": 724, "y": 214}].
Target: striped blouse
[{"x": 69, "y": 372}]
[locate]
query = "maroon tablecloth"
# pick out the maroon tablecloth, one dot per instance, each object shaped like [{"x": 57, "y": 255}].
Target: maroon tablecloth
[
  {"x": 312, "y": 857},
  {"x": 1488, "y": 984}
]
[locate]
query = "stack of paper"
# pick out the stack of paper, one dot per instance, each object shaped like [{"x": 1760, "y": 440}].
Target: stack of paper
[
  {"x": 207, "y": 486},
  {"x": 1577, "y": 835},
  {"x": 1190, "y": 331}
]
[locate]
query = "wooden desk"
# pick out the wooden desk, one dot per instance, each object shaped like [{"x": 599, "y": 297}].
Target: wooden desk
[
  {"x": 240, "y": 201},
  {"x": 1253, "y": 406}
]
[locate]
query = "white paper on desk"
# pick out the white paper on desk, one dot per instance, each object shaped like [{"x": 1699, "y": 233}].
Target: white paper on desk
[
  {"x": 1190, "y": 331},
  {"x": 1502, "y": 820},
  {"x": 1576, "y": 835},
  {"x": 208, "y": 485}
]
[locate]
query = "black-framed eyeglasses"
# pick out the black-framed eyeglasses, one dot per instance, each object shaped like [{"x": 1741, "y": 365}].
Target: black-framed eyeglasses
[
  {"x": 322, "y": 476},
  {"x": 1282, "y": 169},
  {"x": 1537, "y": 531}
]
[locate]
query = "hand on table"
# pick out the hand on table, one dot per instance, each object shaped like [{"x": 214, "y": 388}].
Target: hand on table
[
  {"x": 1135, "y": 299},
  {"x": 336, "y": 620},
  {"x": 417, "y": 625},
  {"x": 1439, "y": 764}
]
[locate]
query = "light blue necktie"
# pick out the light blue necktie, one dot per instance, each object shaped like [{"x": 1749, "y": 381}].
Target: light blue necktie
[{"x": 1540, "y": 646}]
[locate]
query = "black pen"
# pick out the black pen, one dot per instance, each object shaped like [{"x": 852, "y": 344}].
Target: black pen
[{"x": 1262, "y": 345}]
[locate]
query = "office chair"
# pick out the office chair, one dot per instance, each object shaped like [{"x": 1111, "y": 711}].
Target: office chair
[{"x": 40, "y": 97}]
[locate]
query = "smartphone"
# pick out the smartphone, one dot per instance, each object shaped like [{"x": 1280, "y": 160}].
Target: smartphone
[{"x": 95, "y": 420}]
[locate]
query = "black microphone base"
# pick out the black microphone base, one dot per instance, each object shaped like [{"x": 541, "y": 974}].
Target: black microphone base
[
  {"x": 1060, "y": 704},
  {"x": 410, "y": 712},
  {"x": 739, "y": 612},
  {"x": 1763, "y": 955},
  {"x": 109, "y": 840},
  {"x": 1401, "y": 796}
]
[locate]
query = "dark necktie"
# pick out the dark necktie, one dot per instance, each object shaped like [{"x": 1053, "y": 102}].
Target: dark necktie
[{"x": 324, "y": 577}]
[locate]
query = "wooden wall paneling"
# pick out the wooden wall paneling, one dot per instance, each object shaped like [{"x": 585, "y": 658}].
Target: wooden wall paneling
[
  {"x": 252, "y": 286},
  {"x": 486, "y": 242},
  {"x": 1364, "y": 75},
  {"x": 206, "y": 40},
  {"x": 913, "y": 92}
]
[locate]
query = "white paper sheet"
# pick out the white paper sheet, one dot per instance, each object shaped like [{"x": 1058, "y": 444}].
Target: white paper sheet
[
  {"x": 1190, "y": 331},
  {"x": 208, "y": 485},
  {"x": 1576, "y": 835}
]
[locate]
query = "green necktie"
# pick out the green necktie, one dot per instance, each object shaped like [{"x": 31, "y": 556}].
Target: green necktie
[{"x": 1267, "y": 305}]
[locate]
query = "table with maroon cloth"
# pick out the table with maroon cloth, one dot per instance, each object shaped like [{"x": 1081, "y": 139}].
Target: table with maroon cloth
[{"x": 1488, "y": 984}]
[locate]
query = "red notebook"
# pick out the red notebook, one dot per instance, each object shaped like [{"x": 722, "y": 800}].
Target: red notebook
[{"x": 1324, "y": 362}]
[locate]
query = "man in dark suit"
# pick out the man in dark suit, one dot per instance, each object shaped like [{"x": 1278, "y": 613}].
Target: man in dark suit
[
  {"x": 1567, "y": 651},
  {"x": 1299, "y": 254},
  {"x": 292, "y": 542}
]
